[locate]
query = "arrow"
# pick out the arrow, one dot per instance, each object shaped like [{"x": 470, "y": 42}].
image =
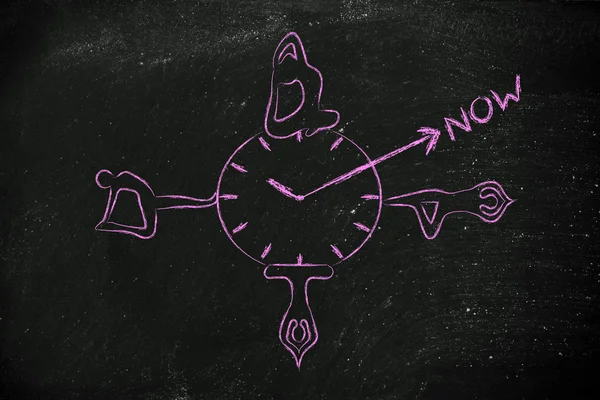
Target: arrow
[{"x": 429, "y": 134}]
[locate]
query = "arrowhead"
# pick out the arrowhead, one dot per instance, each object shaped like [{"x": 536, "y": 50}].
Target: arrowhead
[{"x": 433, "y": 135}]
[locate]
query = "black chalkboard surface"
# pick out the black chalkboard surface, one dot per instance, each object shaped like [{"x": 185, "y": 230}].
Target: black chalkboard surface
[{"x": 299, "y": 200}]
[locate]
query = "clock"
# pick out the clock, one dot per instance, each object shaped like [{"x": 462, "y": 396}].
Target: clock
[{"x": 316, "y": 200}]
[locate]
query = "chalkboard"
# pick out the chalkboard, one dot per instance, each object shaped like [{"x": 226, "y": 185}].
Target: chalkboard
[{"x": 299, "y": 200}]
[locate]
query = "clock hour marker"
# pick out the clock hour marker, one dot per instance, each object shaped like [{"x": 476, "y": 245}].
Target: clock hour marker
[
  {"x": 370, "y": 197},
  {"x": 264, "y": 144},
  {"x": 299, "y": 259},
  {"x": 238, "y": 167},
  {"x": 336, "y": 251},
  {"x": 266, "y": 251},
  {"x": 336, "y": 144},
  {"x": 239, "y": 227},
  {"x": 228, "y": 196},
  {"x": 361, "y": 227}
]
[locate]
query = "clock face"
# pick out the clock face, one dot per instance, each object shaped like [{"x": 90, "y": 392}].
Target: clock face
[{"x": 278, "y": 205}]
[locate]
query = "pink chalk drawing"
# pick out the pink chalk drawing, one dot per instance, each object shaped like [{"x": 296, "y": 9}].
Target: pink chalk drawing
[
  {"x": 298, "y": 316},
  {"x": 148, "y": 203},
  {"x": 465, "y": 125},
  {"x": 290, "y": 67},
  {"x": 257, "y": 211},
  {"x": 432, "y": 206}
]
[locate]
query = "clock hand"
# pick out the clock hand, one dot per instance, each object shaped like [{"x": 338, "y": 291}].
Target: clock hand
[
  {"x": 426, "y": 136},
  {"x": 286, "y": 191}
]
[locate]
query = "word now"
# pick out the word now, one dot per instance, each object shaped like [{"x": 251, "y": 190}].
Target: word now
[{"x": 465, "y": 125}]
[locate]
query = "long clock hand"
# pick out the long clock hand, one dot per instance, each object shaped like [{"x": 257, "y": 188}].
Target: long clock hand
[{"x": 432, "y": 136}]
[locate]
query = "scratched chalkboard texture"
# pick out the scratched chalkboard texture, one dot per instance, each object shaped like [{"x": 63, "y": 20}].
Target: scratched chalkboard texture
[{"x": 168, "y": 91}]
